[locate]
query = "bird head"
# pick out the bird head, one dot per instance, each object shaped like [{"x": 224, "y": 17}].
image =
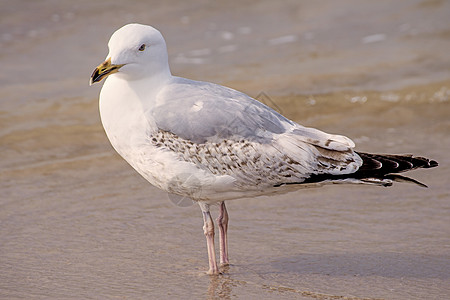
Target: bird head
[{"x": 135, "y": 51}]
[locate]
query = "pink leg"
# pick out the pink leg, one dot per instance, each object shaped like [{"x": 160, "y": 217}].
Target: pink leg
[
  {"x": 222, "y": 221},
  {"x": 208, "y": 229}
]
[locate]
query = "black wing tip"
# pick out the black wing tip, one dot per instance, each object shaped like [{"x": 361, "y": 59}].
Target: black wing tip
[
  {"x": 373, "y": 168},
  {"x": 432, "y": 164},
  {"x": 400, "y": 178},
  {"x": 394, "y": 163},
  {"x": 426, "y": 163}
]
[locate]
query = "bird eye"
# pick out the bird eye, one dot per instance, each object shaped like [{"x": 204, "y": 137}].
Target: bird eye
[{"x": 142, "y": 47}]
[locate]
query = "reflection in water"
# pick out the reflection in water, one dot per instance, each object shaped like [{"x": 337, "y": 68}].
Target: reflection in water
[{"x": 220, "y": 285}]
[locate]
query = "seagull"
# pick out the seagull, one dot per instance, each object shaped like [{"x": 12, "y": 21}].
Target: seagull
[{"x": 212, "y": 143}]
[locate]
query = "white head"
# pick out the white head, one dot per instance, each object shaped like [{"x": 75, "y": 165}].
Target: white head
[{"x": 135, "y": 52}]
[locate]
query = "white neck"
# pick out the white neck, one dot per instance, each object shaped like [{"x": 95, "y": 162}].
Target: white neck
[{"x": 124, "y": 105}]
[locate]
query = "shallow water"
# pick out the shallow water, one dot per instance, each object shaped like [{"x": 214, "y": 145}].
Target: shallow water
[{"x": 77, "y": 222}]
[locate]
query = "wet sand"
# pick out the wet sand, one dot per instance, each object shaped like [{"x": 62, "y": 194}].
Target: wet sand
[{"x": 77, "y": 222}]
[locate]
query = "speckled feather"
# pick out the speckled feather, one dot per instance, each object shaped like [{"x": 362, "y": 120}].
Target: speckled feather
[{"x": 252, "y": 163}]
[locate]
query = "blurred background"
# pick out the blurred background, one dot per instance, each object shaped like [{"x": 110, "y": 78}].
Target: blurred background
[{"x": 77, "y": 222}]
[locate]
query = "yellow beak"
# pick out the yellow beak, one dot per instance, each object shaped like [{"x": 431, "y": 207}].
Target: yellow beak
[{"x": 104, "y": 70}]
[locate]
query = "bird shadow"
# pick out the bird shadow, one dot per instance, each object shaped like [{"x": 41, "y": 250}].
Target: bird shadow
[{"x": 385, "y": 264}]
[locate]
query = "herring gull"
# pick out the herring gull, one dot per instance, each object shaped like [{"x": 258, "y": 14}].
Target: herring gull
[{"x": 212, "y": 143}]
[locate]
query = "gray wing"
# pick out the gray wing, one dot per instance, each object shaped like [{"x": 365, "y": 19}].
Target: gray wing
[{"x": 201, "y": 111}]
